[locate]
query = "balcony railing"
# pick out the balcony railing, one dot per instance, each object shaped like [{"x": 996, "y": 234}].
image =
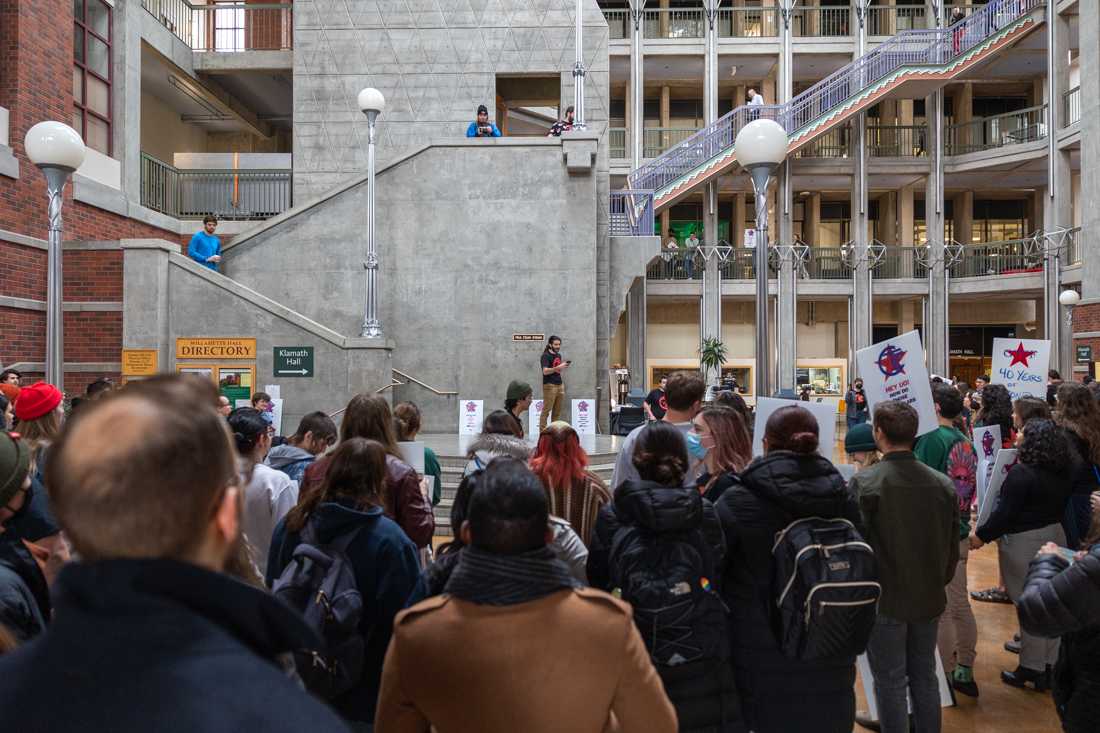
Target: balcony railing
[
  {"x": 228, "y": 194},
  {"x": 896, "y": 141},
  {"x": 618, "y": 23},
  {"x": 631, "y": 214},
  {"x": 833, "y": 144},
  {"x": 826, "y": 263},
  {"x": 999, "y": 258},
  {"x": 821, "y": 22},
  {"x": 674, "y": 23},
  {"x": 616, "y": 142},
  {"x": 1071, "y": 106},
  {"x": 901, "y": 263},
  {"x": 987, "y": 133},
  {"x": 887, "y": 20},
  {"x": 228, "y": 27},
  {"x": 656, "y": 140},
  {"x": 748, "y": 23}
]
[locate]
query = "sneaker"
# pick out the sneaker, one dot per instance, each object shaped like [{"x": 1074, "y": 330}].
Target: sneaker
[
  {"x": 1013, "y": 647},
  {"x": 991, "y": 595},
  {"x": 962, "y": 680},
  {"x": 1022, "y": 676},
  {"x": 863, "y": 720}
]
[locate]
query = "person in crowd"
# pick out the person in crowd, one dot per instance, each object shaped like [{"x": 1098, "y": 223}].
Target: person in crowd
[
  {"x": 656, "y": 402},
  {"x": 1079, "y": 415},
  {"x": 996, "y": 409},
  {"x": 859, "y": 444},
  {"x": 671, "y": 244},
  {"x": 1026, "y": 515},
  {"x": 204, "y": 247},
  {"x": 756, "y": 101},
  {"x": 855, "y": 405},
  {"x": 482, "y": 126},
  {"x": 948, "y": 451},
  {"x": 346, "y": 512},
  {"x": 316, "y": 433},
  {"x": 466, "y": 661},
  {"x": 270, "y": 494},
  {"x": 261, "y": 401},
  {"x": 1024, "y": 410},
  {"x": 553, "y": 389},
  {"x": 790, "y": 481},
  {"x": 729, "y": 398},
  {"x": 224, "y": 406},
  {"x": 517, "y": 400},
  {"x": 653, "y": 518},
  {"x": 148, "y": 615},
  {"x": 406, "y": 423},
  {"x": 24, "y": 593},
  {"x": 1062, "y": 599},
  {"x": 368, "y": 416},
  {"x": 575, "y": 493},
  {"x": 40, "y": 410},
  {"x": 967, "y": 416},
  {"x": 806, "y": 393},
  {"x": 916, "y": 562},
  {"x": 498, "y": 438},
  {"x": 565, "y": 543},
  {"x": 99, "y": 388},
  {"x": 957, "y": 16},
  {"x": 684, "y": 393},
  {"x": 1054, "y": 381},
  {"x": 12, "y": 377},
  {"x": 563, "y": 125},
  {"x": 7, "y": 413},
  {"x": 720, "y": 441}
]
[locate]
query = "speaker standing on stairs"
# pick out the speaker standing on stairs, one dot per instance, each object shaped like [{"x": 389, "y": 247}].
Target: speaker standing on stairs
[{"x": 553, "y": 389}]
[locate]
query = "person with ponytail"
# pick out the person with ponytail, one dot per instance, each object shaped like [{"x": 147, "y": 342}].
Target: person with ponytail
[
  {"x": 270, "y": 493},
  {"x": 349, "y": 502},
  {"x": 790, "y": 481}
]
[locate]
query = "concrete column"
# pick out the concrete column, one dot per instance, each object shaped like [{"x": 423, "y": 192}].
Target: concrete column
[
  {"x": 1058, "y": 197},
  {"x": 712, "y": 280},
  {"x": 666, "y": 104},
  {"x": 888, "y": 218},
  {"x": 738, "y": 224},
  {"x": 907, "y": 318},
  {"x": 666, "y": 222},
  {"x": 964, "y": 103},
  {"x": 862, "y": 297},
  {"x": 935, "y": 335},
  {"x": 905, "y": 111},
  {"x": 812, "y": 221},
  {"x": 637, "y": 82},
  {"x": 787, "y": 324},
  {"x": 964, "y": 217},
  {"x": 664, "y": 18},
  {"x": 906, "y": 216},
  {"x": 126, "y": 95},
  {"x": 636, "y": 332}
]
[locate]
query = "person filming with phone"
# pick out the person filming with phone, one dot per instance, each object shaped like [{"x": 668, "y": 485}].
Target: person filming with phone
[
  {"x": 553, "y": 390},
  {"x": 482, "y": 127}
]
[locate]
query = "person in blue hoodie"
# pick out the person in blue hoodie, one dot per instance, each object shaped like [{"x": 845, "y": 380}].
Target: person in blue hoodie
[
  {"x": 383, "y": 558},
  {"x": 316, "y": 433},
  {"x": 205, "y": 248},
  {"x": 482, "y": 127}
]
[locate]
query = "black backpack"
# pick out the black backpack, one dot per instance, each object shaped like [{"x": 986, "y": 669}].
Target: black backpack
[
  {"x": 319, "y": 582},
  {"x": 826, "y": 590},
  {"x": 668, "y": 579}
]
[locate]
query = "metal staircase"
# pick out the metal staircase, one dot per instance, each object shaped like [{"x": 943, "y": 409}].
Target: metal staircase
[{"x": 912, "y": 64}]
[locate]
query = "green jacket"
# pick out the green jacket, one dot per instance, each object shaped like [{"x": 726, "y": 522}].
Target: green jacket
[{"x": 911, "y": 520}]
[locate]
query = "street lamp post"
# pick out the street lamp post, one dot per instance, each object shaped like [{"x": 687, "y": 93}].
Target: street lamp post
[
  {"x": 58, "y": 151},
  {"x": 372, "y": 103},
  {"x": 579, "y": 71},
  {"x": 760, "y": 147},
  {"x": 1068, "y": 299}
]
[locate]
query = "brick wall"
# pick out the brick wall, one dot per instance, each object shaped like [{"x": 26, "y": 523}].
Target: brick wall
[
  {"x": 1087, "y": 318},
  {"x": 93, "y": 275}
]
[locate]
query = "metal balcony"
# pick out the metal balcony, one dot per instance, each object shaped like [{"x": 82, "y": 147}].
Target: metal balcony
[
  {"x": 227, "y": 194},
  {"x": 227, "y": 26}
]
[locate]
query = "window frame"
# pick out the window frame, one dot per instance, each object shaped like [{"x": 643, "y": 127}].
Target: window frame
[{"x": 85, "y": 69}]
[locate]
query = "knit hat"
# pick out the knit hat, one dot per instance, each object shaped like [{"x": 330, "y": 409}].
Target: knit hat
[
  {"x": 37, "y": 400},
  {"x": 517, "y": 390},
  {"x": 482, "y": 109},
  {"x": 10, "y": 391},
  {"x": 15, "y": 461},
  {"x": 860, "y": 439}
]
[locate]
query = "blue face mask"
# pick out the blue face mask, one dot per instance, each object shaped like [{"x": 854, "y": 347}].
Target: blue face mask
[{"x": 695, "y": 446}]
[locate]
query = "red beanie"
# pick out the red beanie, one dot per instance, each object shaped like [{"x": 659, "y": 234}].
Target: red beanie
[{"x": 37, "y": 400}]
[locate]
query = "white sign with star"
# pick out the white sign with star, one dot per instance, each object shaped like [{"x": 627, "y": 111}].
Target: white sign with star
[
  {"x": 895, "y": 370},
  {"x": 1021, "y": 366}
]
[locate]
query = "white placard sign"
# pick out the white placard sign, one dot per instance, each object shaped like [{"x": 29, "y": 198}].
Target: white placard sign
[
  {"x": 471, "y": 413},
  {"x": 584, "y": 416},
  {"x": 412, "y": 451},
  {"x": 894, "y": 369},
  {"x": 1006, "y": 459},
  {"x": 824, "y": 412},
  {"x": 987, "y": 442},
  {"x": 1021, "y": 366},
  {"x": 534, "y": 414},
  {"x": 273, "y": 391},
  {"x": 750, "y": 239}
]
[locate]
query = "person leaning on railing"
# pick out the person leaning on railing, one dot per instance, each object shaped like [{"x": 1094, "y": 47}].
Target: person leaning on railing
[{"x": 482, "y": 127}]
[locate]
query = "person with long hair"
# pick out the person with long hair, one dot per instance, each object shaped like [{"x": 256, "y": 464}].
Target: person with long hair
[
  {"x": 720, "y": 440},
  {"x": 575, "y": 493},
  {"x": 1079, "y": 415},
  {"x": 406, "y": 423},
  {"x": 348, "y": 507},
  {"x": 498, "y": 438},
  {"x": 40, "y": 410},
  {"x": 1026, "y": 515},
  {"x": 791, "y": 480},
  {"x": 1062, "y": 599},
  {"x": 996, "y": 409},
  {"x": 368, "y": 416},
  {"x": 729, "y": 398}
]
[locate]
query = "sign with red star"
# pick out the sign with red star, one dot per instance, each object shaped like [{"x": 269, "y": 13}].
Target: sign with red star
[
  {"x": 1019, "y": 355},
  {"x": 1021, "y": 366},
  {"x": 894, "y": 370}
]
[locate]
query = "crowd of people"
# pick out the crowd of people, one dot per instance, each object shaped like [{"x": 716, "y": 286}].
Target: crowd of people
[{"x": 179, "y": 567}]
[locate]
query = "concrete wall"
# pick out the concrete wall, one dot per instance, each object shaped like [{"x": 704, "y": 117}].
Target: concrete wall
[
  {"x": 167, "y": 296},
  {"x": 477, "y": 240},
  {"x": 434, "y": 62},
  {"x": 163, "y": 133}
]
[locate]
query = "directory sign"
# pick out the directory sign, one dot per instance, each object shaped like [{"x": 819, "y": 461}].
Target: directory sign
[
  {"x": 1021, "y": 366},
  {"x": 894, "y": 369}
]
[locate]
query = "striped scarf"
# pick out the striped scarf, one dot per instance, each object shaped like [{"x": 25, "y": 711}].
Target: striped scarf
[{"x": 505, "y": 580}]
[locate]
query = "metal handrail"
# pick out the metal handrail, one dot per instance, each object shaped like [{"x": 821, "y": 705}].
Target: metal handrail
[
  {"x": 227, "y": 26},
  {"x": 656, "y": 140},
  {"x": 821, "y": 22},
  {"x": 673, "y": 23},
  {"x": 618, "y": 23},
  {"x": 616, "y": 142},
  {"x": 244, "y": 194},
  {"x": 897, "y": 141},
  {"x": 997, "y": 131},
  {"x": 631, "y": 214},
  {"x": 1071, "y": 106},
  {"x": 888, "y": 20},
  {"x": 430, "y": 388},
  {"x": 934, "y": 46},
  {"x": 835, "y": 143},
  {"x": 748, "y": 22}
]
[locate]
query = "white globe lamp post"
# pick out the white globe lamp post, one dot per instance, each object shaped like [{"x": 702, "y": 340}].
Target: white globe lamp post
[{"x": 372, "y": 104}]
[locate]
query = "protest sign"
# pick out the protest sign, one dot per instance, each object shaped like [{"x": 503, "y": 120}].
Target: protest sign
[
  {"x": 895, "y": 370},
  {"x": 1021, "y": 366},
  {"x": 824, "y": 412}
]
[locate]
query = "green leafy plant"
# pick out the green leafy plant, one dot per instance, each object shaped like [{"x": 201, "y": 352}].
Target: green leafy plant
[{"x": 712, "y": 355}]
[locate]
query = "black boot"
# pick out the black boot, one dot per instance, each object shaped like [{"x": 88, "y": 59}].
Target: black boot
[{"x": 1021, "y": 676}]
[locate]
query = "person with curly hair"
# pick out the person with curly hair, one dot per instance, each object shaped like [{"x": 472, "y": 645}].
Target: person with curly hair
[
  {"x": 1079, "y": 415},
  {"x": 996, "y": 409},
  {"x": 1026, "y": 515}
]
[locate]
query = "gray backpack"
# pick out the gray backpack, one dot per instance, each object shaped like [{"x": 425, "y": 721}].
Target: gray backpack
[{"x": 319, "y": 582}]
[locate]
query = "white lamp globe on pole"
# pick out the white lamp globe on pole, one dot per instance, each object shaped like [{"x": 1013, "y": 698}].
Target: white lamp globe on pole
[
  {"x": 58, "y": 151},
  {"x": 372, "y": 103},
  {"x": 1069, "y": 298},
  {"x": 760, "y": 147}
]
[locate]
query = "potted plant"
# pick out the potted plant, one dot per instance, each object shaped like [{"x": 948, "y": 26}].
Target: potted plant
[{"x": 712, "y": 355}]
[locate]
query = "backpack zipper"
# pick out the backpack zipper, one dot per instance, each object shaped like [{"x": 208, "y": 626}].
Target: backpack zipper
[
  {"x": 826, "y": 548},
  {"x": 783, "y": 532},
  {"x": 810, "y": 596}
]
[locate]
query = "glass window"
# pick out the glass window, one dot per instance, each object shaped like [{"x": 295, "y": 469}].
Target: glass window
[
  {"x": 92, "y": 73},
  {"x": 99, "y": 18},
  {"x": 822, "y": 380}
]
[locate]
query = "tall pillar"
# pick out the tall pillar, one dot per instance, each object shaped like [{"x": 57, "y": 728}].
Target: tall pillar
[
  {"x": 862, "y": 296},
  {"x": 936, "y": 317},
  {"x": 811, "y": 224},
  {"x": 737, "y": 226},
  {"x": 963, "y": 223},
  {"x": 906, "y": 216},
  {"x": 666, "y": 116},
  {"x": 787, "y": 283},
  {"x": 712, "y": 276},
  {"x": 636, "y": 328},
  {"x": 888, "y": 218},
  {"x": 637, "y": 82},
  {"x": 1058, "y": 197}
]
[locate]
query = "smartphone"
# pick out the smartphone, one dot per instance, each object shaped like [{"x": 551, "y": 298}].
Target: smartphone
[
  {"x": 568, "y": 361},
  {"x": 1068, "y": 554}
]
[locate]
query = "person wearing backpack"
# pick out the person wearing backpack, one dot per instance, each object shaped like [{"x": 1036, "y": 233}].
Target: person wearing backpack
[
  {"x": 659, "y": 542},
  {"x": 788, "y": 484},
  {"x": 910, "y": 517},
  {"x": 374, "y": 573}
]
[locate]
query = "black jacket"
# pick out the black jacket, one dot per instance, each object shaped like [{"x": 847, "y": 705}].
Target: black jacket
[
  {"x": 721, "y": 483},
  {"x": 702, "y": 691},
  {"x": 24, "y": 595},
  {"x": 1031, "y": 497},
  {"x": 1061, "y": 601},
  {"x": 142, "y": 645},
  {"x": 779, "y": 694}
]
